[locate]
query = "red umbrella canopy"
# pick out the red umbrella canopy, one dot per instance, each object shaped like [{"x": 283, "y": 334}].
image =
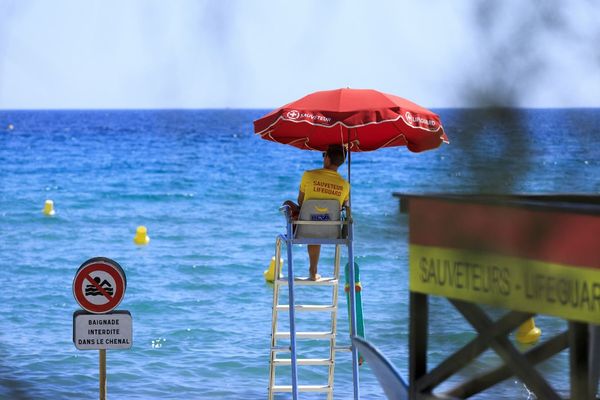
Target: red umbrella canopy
[{"x": 365, "y": 118}]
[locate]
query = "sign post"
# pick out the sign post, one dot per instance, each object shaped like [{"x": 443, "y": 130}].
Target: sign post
[
  {"x": 99, "y": 286},
  {"x": 102, "y": 373}
]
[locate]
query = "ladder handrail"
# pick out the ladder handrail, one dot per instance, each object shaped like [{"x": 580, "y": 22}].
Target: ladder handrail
[
  {"x": 292, "y": 304},
  {"x": 353, "y": 324}
]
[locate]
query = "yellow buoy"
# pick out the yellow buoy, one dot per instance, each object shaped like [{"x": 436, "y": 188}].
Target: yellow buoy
[
  {"x": 49, "y": 208},
  {"x": 528, "y": 333},
  {"x": 270, "y": 273},
  {"x": 141, "y": 236}
]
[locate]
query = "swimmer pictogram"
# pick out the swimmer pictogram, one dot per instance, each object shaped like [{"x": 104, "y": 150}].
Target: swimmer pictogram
[
  {"x": 93, "y": 290},
  {"x": 99, "y": 285}
]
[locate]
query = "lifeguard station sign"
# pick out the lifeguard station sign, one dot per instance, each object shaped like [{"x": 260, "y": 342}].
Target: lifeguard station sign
[{"x": 535, "y": 259}]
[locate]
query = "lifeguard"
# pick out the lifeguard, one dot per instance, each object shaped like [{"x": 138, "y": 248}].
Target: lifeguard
[{"x": 325, "y": 184}]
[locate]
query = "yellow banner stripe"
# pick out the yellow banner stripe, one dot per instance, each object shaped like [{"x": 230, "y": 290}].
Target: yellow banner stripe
[{"x": 515, "y": 283}]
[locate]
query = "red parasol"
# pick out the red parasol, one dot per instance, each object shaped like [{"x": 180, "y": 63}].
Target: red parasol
[{"x": 367, "y": 119}]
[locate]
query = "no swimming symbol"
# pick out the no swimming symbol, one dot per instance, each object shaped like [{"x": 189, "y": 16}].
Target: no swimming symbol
[
  {"x": 99, "y": 285},
  {"x": 95, "y": 288}
]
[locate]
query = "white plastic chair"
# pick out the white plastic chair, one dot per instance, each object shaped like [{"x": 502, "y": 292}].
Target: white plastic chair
[{"x": 319, "y": 219}]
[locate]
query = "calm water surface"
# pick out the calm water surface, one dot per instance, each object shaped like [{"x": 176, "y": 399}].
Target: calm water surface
[{"x": 208, "y": 191}]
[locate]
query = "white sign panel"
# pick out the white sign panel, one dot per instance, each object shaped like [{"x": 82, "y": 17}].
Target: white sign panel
[{"x": 102, "y": 331}]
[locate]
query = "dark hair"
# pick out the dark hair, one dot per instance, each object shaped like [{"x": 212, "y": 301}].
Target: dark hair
[{"x": 336, "y": 154}]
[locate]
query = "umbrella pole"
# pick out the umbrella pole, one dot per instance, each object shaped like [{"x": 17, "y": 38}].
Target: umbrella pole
[
  {"x": 349, "y": 160},
  {"x": 352, "y": 283}
]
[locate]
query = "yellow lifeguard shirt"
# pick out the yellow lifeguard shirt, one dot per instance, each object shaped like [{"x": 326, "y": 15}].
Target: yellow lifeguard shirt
[{"x": 324, "y": 184}]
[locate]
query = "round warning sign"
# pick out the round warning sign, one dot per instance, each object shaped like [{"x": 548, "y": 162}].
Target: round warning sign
[{"x": 99, "y": 285}]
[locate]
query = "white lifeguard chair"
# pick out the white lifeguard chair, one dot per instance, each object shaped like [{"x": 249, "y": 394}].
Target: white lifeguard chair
[{"x": 320, "y": 222}]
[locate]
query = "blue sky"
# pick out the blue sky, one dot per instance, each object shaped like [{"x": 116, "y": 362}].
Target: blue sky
[{"x": 264, "y": 53}]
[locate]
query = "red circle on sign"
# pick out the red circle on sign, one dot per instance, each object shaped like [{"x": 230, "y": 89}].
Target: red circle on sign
[{"x": 111, "y": 268}]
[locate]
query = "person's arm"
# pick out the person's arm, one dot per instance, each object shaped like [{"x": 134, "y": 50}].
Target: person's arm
[
  {"x": 300, "y": 198},
  {"x": 301, "y": 189},
  {"x": 346, "y": 202}
]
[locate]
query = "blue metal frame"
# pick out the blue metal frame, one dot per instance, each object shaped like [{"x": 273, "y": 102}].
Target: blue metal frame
[
  {"x": 292, "y": 310},
  {"x": 352, "y": 284},
  {"x": 290, "y": 241}
]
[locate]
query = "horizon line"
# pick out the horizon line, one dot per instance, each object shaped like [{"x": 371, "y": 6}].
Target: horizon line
[{"x": 494, "y": 107}]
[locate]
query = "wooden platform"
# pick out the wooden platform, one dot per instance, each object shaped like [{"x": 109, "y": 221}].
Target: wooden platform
[{"x": 516, "y": 241}]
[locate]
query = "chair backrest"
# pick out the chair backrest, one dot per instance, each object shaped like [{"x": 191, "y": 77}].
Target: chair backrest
[{"x": 319, "y": 211}]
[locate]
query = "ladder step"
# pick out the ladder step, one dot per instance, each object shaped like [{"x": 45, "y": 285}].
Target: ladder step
[
  {"x": 307, "y": 307},
  {"x": 340, "y": 348},
  {"x": 305, "y": 335},
  {"x": 308, "y": 282},
  {"x": 286, "y": 349},
  {"x": 302, "y": 388},
  {"x": 303, "y": 361}
]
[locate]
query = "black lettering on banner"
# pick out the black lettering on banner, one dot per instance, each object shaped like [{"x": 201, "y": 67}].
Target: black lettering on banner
[
  {"x": 450, "y": 272},
  {"x": 505, "y": 284},
  {"x": 476, "y": 274},
  {"x": 465, "y": 275},
  {"x": 595, "y": 296},
  {"x": 568, "y": 292},
  {"x": 495, "y": 276},
  {"x": 585, "y": 295},
  {"x": 423, "y": 270},
  {"x": 550, "y": 297},
  {"x": 459, "y": 273},
  {"x": 562, "y": 292}
]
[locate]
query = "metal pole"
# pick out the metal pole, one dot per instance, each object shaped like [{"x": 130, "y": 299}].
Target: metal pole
[
  {"x": 349, "y": 162},
  {"x": 292, "y": 309},
  {"x": 352, "y": 283},
  {"x": 102, "y": 365},
  {"x": 353, "y": 329}
]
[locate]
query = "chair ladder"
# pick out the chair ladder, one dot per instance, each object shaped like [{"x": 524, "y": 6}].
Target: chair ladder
[{"x": 275, "y": 361}]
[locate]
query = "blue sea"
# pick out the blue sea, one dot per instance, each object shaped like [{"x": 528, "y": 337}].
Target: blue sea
[{"x": 208, "y": 191}]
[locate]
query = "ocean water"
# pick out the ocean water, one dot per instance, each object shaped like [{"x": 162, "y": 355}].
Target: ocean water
[{"x": 208, "y": 191}]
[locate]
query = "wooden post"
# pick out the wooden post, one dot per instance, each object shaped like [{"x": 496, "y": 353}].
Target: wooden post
[
  {"x": 102, "y": 365},
  {"x": 579, "y": 360},
  {"x": 594, "y": 346},
  {"x": 419, "y": 322}
]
